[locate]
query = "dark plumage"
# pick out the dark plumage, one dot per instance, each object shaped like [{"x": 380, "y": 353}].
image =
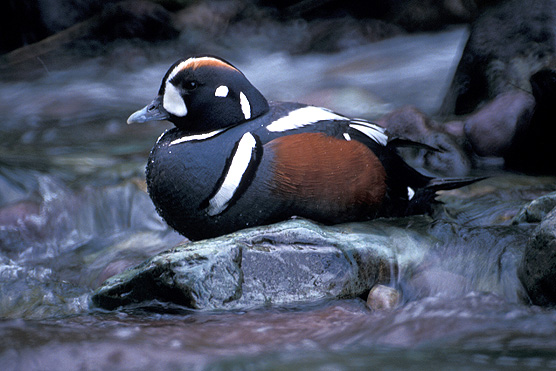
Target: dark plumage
[{"x": 235, "y": 161}]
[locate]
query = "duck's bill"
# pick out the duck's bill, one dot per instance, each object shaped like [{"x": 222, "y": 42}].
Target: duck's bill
[{"x": 153, "y": 112}]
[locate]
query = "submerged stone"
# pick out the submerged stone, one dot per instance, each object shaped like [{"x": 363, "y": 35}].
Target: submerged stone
[
  {"x": 536, "y": 210},
  {"x": 298, "y": 261},
  {"x": 538, "y": 267},
  {"x": 383, "y": 297}
]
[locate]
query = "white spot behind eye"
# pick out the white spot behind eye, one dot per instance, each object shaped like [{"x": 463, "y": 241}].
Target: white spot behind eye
[
  {"x": 173, "y": 102},
  {"x": 221, "y": 91},
  {"x": 245, "y": 106},
  {"x": 347, "y": 137}
]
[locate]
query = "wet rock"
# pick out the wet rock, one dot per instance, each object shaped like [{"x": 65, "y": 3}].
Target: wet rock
[
  {"x": 533, "y": 150},
  {"x": 20, "y": 23},
  {"x": 413, "y": 15},
  {"x": 410, "y": 123},
  {"x": 332, "y": 35},
  {"x": 491, "y": 130},
  {"x": 18, "y": 213},
  {"x": 465, "y": 259},
  {"x": 419, "y": 15},
  {"x": 407, "y": 122},
  {"x": 132, "y": 19},
  {"x": 538, "y": 267},
  {"x": 535, "y": 211},
  {"x": 298, "y": 261},
  {"x": 508, "y": 43},
  {"x": 434, "y": 281},
  {"x": 294, "y": 261},
  {"x": 383, "y": 298},
  {"x": 37, "y": 292}
]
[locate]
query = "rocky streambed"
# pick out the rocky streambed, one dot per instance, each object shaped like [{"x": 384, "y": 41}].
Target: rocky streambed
[
  {"x": 91, "y": 278},
  {"x": 298, "y": 261}
]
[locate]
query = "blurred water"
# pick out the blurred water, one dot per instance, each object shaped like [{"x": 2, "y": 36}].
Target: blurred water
[
  {"x": 476, "y": 331},
  {"x": 73, "y": 211}
]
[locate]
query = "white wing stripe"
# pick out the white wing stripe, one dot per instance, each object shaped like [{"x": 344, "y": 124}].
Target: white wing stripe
[
  {"x": 302, "y": 117},
  {"x": 375, "y": 132}
]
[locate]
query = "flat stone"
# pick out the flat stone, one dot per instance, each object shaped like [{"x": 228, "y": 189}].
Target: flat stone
[
  {"x": 298, "y": 261},
  {"x": 284, "y": 263}
]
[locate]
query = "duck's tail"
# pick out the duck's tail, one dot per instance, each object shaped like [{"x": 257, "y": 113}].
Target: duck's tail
[
  {"x": 424, "y": 198},
  {"x": 445, "y": 184}
]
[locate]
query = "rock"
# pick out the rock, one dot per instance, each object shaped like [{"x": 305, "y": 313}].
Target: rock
[
  {"x": 434, "y": 281},
  {"x": 536, "y": 210},
  {"x": 17, "y": 213},
  {"x": 132, "y": 19},
  {"x": 298, "y": 261},
  {"x": 537, "y": 271},
  {"x": 413, "y": 15},
  {"x": 407, "y": 122},
  {"x": 419, "y": 15},
  {"x": 533, "y": 150},
  {"x": 491, "y": 129},
  {"x": 410, "y": 123},
  {"x": 518, "y": 126},
  {"x": 139, "y": 19},
  {"x": 383, "y": 298},
  {"x": 294, "y": 261},
  {"x": 508, "y": 43},
  {"x": 332, "y": 35},
  {"x": 495, "y": 253}
]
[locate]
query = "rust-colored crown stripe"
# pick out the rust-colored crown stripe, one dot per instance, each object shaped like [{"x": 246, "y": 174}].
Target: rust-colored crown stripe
[{"x": 195, "y": 63}]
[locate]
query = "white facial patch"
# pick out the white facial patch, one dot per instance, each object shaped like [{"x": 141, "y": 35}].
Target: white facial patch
[
  {"x": 237, "y": 168},
  {"x": 302, "y": 117},
  {"x": 347, "y": 137},
  {"x": 245, "y": 106},
  {"x": 172, "y": 101},
  {"x": 373, "y": 131},
  {"x": 221, "y": 91}
]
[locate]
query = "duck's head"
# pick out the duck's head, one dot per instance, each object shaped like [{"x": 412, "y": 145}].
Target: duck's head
[{"x": 202, "y": 94}]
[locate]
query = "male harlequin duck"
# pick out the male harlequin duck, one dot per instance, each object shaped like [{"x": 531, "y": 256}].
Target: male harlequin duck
[{"x": 235, "y": 160}]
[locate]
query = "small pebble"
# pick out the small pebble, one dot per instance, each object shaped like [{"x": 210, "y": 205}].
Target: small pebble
[{"x": 383, "y": 298}]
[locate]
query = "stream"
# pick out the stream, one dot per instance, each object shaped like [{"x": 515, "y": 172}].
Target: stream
[{"x": 74, "y": 211}]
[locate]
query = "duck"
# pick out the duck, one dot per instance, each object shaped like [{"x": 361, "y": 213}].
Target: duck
[{"x": 235, "y": 160}]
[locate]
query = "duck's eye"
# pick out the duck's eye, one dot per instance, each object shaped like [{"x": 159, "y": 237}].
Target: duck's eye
[{"x": 190, "y": 85}]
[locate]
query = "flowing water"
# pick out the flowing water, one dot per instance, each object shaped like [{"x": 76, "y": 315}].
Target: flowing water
[{"x": 73, "y": 212}]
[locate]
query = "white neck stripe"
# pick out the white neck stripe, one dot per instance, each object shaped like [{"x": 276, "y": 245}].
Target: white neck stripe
[
  {"x": 190, "y": 138},
  {"x": 240, "y": 162}
]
